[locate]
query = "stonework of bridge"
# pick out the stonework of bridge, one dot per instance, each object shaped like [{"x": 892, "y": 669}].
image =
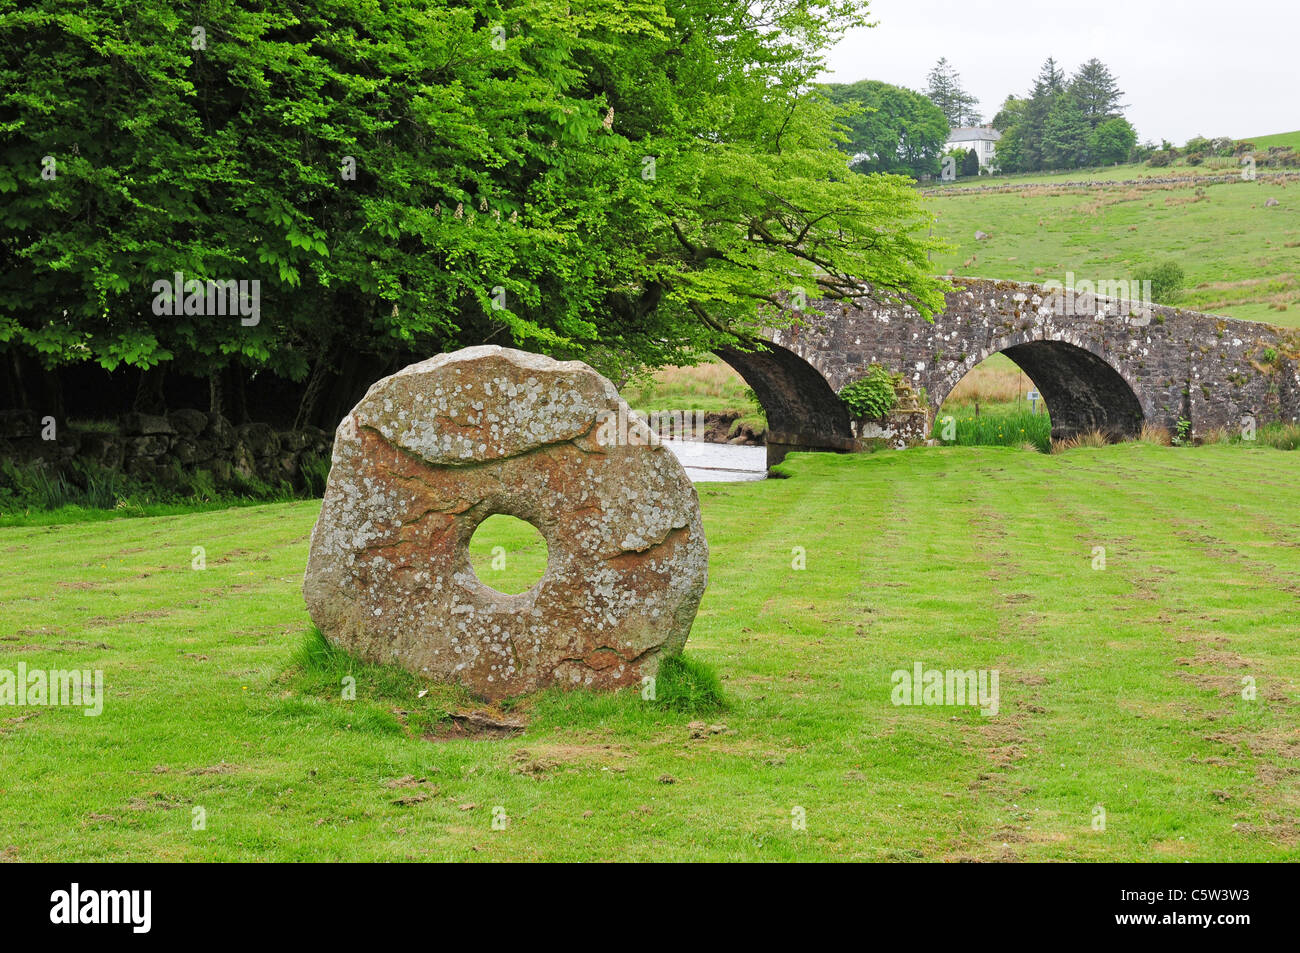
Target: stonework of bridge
[{"x": 1100, "y": 364}]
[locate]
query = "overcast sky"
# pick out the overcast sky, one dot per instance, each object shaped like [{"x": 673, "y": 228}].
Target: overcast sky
[{"x": 1187, "y": 67}]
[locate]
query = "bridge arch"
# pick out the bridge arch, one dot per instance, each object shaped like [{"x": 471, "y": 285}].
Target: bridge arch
[
  {"x": 803, "y": 410},
  {"x": 1083, "y": 391}
]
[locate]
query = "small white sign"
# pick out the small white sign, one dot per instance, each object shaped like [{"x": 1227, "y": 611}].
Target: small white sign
[{"x": 1033, "y": 395}]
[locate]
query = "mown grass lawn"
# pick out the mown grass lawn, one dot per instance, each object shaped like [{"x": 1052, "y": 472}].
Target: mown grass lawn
[{"x": 1120, "y": 687}]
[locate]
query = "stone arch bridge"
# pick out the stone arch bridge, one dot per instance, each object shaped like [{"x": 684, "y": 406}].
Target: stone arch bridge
[{"x": 1100, "y": 364}]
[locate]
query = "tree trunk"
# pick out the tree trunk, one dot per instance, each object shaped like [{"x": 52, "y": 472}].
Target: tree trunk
[
  {"x": 11, "y": 395},
  {"x": 214, "y": 392},
  {"x": 21, "y": 399},
  {"x": 311, "y": 395},
  {"x": 149, "y": 397},
  {"x": 238, "y": 397},
  {"x": 51, "y": 398}
]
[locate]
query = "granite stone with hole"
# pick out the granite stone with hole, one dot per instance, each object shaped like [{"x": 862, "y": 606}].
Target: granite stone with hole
[{"x": 435, "y": 449}]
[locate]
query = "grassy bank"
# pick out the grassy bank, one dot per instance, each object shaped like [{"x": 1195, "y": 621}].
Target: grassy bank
[{"x": 1121, "y": 687}]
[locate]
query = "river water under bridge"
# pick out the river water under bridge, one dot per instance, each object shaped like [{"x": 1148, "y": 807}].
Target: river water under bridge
[{"x": 719, "y": 462}]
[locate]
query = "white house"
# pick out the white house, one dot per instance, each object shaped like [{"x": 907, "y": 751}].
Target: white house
[{"x": 983, "y": 139}]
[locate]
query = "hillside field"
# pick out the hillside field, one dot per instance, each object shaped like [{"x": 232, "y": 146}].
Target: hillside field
[
  {"x": 1241, "y": 258},
  {"x": 1289, "y": 139}
]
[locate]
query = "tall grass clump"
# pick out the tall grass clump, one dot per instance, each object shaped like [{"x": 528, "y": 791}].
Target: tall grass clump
[
  {"x": 1090, "y": 438},
  {"x": 999, "y": 426},
  {"x": 1277, "y": 436},
  {"x": 1155, "y": 435},
  {"x": 52, "y": 490},
  {"x": 81, "y": 489},
  {"x": 315, "y": 474},
  {"x": 688, "y": 686}
]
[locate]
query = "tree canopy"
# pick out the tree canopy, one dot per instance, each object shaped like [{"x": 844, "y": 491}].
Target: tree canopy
[
  {"x": 1065, "y": 123},
  {"x": 896, "y": 130},
  {"x": 1112, "y": 141},
  {"x": 638, "y": 180}
]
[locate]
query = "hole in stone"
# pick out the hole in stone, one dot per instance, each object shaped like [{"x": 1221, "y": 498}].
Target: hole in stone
[{"x": 508, "y": 554}]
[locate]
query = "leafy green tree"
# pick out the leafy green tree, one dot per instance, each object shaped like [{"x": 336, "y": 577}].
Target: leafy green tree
[
  {"x": 1167, "y": 280},
  {"x": 1011, "y": 113},
  {"x": 970, "y": 163},
  {"x": 1112, "y": 141},
  {"x": 944, "y": 89},
  {"x": 1009, "y": 156},
  {"x": 896, "y": 130},
  {"x": 631, "y": 181},
  {"x": 1009, "y": 121}
]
